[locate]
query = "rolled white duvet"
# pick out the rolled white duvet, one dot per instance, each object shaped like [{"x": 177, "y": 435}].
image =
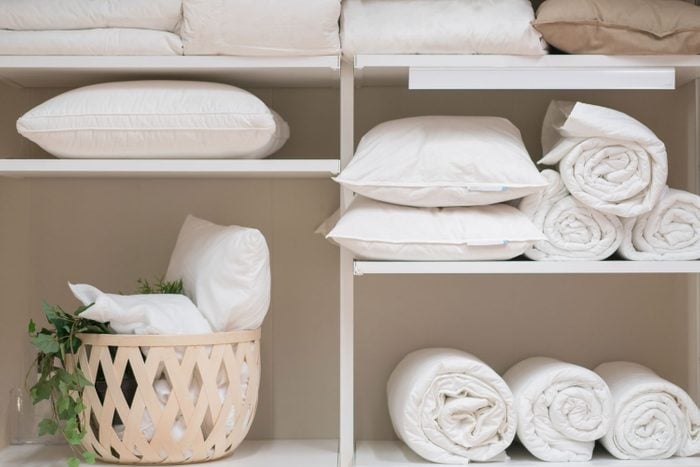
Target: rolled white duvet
[
  {"x": 654, "y": 419},
  {"x": 561, "y": 408},
  {"x": 573, "y": 230},
  {"x": 450, "y": 407},
  {"x": 670, "y": 231},
  {"x": 608, "y": 160}
]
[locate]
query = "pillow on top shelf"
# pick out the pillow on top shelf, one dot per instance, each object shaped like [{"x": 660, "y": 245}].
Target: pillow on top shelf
[
  {"x": 155, "y": 120},
  {"x": 619, "y": 27}
]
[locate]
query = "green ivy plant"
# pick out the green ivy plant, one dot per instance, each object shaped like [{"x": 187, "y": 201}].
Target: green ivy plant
[{"x": 62, "y": 385}]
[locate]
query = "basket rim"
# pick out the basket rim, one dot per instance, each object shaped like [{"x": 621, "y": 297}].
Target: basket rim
[{"x": 129, "y": 340}]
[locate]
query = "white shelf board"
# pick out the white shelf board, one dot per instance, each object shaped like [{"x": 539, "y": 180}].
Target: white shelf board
[
  {"x": 396, "y": 454},
  {"x": 72, "y": 71},
  {"x": 527, "y": 267},
  {"x": 277, "y": 453},
  {"x": 151, "y": 168},
  {"x": 528, "y": 72}
]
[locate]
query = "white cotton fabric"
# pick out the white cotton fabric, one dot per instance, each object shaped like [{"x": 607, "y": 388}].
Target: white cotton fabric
[
  {"x": 440, "y": 161},
  {"x": 114, "y": 41},
  {"x": 261, "y": 27},
  {"x": 154, "y": 314},
  {"x": 35, "y": 15},
  {"x": 374, "y": 230},
  {"x": 439, "y": 27},
  {"x": 608, "y": 160},
  {"x": 562, "y": 408},
  {"x": 450, "y": 407},
  {"x": 151, "y": 120},
  {"x": 226, "y": 272},
  {"x": 654, "y": 418},
  {"x": 573, "y": 230},
  {"x": 670, "y": 231}
]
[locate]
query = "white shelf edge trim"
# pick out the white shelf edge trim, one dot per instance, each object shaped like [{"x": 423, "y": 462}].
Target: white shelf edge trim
[
  {"x": 65, "y": 168},
  {"x": 527, "y": 267}
]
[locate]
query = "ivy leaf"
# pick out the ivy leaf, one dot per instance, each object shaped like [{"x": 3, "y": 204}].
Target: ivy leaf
[
  {"x": 89, "y": 457},
  {"x": 63, "y": 403},
  {"x": 73, "y": 462},
  {"x": 32, "y": 327},
  {"x": 46, "y": 343},
  {"x": 41, "y": 391},
  {"x": 47, "y": 427}
]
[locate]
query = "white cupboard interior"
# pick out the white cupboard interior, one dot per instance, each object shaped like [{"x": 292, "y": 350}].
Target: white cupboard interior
[{"x": 326, "y": 359}]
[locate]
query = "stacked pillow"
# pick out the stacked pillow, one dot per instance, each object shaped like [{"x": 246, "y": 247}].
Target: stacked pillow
[{"x": 430, "y": 190}]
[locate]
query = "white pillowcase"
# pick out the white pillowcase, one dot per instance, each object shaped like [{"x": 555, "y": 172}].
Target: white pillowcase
[
  {"x": 374, "y": 230},
  {"x": 440, "y": 27},
  {"x": 152, "y": 119},
  {"x": 36, "y": 15},
  {"x": 226, "y": 272},
  {"x": 156, "y": 314},
  {"x": 443, "y": 161},
  {"x": 261, "y": 27}
]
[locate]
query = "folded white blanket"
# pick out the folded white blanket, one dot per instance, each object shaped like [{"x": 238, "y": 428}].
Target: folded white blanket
[
  {"x": 157, "y": 314},
  {"x": 608, "y": 160},
  {"x": 562, "y": 408},
  {"x": 671, "y": 231},
  {"x": 654, "y": 419},
  {"x": 450, "y": 407},
  {"x": 573, "y": 230},
  {"x": 116, "y": 41}
]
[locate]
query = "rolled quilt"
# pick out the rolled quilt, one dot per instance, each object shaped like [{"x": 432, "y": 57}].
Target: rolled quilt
[
  {"x": 573, "y": 230},
  {"x": 671, "y": 231},
  {"x": 654, "y": 419},
  {"x": 450, "y": 407},
  {"x": 608, "y": 160},
  {"x": 561, "y": 408}
]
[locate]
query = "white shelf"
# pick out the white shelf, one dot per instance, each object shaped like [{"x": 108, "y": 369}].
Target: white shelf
[
  {"x": 71, "y": 71},
  {"x": 523, "y": 72},
  {"x": 278, "y": 453},
  {"x": 140, "y": 168},
  {"x": 396, "y": 454},
  {"x": 527, "y": 267}
]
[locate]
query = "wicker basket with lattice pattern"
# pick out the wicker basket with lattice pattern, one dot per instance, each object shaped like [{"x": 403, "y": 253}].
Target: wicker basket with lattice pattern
[{"x": 193, "y": 398}]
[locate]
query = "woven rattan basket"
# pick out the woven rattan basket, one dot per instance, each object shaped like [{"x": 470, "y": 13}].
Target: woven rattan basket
[{"x": 212, "y": 383}]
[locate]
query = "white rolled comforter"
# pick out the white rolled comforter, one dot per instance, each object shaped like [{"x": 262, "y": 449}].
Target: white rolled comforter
[
  {"x": 561, "y": 408},
  {"x": 573, "y": 230},
  {"x": 450, "y": 407},
  {"x": 670, "y": 231},
  {"x": 654, "y": 419},
  {"x": 608, "y": 160}
]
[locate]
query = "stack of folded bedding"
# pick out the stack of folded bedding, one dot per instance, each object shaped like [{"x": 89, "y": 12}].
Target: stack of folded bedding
[
  {"x": 434, "y": 188},
  {"x": 78, "y": 27}
]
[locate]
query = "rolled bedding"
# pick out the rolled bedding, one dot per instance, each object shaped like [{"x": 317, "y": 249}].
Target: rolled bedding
[
  {"x": 561, "y": 408},
  {"x": 608, "y": 160},
  {"x": 573, "y": 230},
  {"x": 670, "y": 231},
  {"x": 654, "y": 419},
  {"x": 450, "y": 407}
]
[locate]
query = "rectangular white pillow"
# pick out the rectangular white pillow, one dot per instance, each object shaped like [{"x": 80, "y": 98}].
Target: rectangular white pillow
[
  {"x": 441, "y": 161},
  {"x": 440, "y": 27},
  {"x": 380, "y": 231},
  {"x": 108, "y": 41},
  {"x": 155, "y": 119},
  {"x": 261, "y": 27},
  {"x": 36, "y": 15}
]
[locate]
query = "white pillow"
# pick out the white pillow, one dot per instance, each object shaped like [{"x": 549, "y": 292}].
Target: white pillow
[
  {"x": 226, "y": 272},
  {"x": 261, "y": 27},
  {"x": 152, "y": 119},
  {"x": 443, "y": 161},
  {"x": 374, "y": 230},
  {"x": 159, "y": 314},
  {"x": 440, "y": 27}
]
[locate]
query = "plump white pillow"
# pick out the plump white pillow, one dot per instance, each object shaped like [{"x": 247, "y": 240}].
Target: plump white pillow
[
  {"x": 375, "y": 230},
  {"x": 226, "y": 272},
  {"x": 152, "y": 120},
  {"x": 261, "y": 27},
  {"x": 440, "y": 27},
  {"x": 443, "y": 161}
]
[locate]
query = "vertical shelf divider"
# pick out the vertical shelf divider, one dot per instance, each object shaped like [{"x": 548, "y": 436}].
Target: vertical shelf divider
[{"x": 694, "y": 279}]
